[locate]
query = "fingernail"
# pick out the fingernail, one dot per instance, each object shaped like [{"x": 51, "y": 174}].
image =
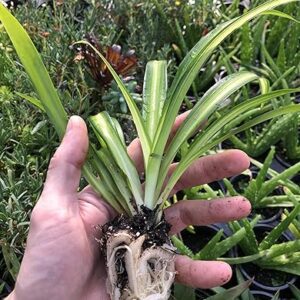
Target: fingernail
[{"x": 72, "y": 122}]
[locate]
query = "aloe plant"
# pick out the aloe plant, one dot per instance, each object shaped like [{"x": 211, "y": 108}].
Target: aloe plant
[
  {"x": 280, "y": 64},
  {"x": 119, "y": 182},
  {"x": 182, "y": 292},
  {"x": 259, "y": 190},
  {"x": 268, "y": 253}
]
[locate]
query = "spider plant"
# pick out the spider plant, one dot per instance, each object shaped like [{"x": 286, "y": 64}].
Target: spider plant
[{"x": 149, "y": 265}]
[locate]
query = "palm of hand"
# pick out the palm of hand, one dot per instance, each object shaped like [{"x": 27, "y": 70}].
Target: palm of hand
[{"x": 62, "y": 245}]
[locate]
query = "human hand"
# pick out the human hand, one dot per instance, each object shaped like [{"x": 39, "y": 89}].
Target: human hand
[{"x": 62, "y": 258}]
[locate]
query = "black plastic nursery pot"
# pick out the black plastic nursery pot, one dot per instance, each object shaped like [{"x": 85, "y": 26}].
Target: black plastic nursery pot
[
  {"x": 268, "y": 280},
  {"x": 268, "y": 214},
  {"x": 203, "y": 234},
  {"x": 260, "y": 295},
  {"x": 196, "y": 241},
  {"x": 285, "y": 163}
]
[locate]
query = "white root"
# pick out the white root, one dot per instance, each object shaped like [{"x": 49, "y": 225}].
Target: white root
[
  {"x": 150, "y": 273},
  {"x": 119, "y": 241}
]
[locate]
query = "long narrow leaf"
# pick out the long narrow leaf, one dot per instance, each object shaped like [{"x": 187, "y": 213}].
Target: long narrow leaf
[
  {"x": 289, "y": 268},
  {"x": 43, "y": 85},
  {"x": 36, "y": 70},
  {"x": 232, "y": 293},
  {"x": 184, "y": 78},
  {"x": 32, "y": 100},
  {"x": 274, "y": 235},
  {"x": 207, "y": 250},
  {"x": 295, "y": 291},
  {"x": 137, "y": 118},
  {"x": 154, "y": 94},
  {"x": 264, "y": 170},
  {"x": 104, "y": 126},
  {"x": 202, "y": 143},
  {"x": 278, "y": 13},
  {"x": 209, "y": 103}
]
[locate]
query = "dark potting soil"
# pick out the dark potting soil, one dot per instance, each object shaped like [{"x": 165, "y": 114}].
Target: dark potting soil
[
  {"x": 128, "y": 129},
  {"x": 240, "y": 182},
  {"x": 270, "y": 278},
  {"x": 144, "y": 222},
  {"x": 196, "y": 241},
  {"x": 267, "y": 213},
  {"x": 282, "y": 158}
]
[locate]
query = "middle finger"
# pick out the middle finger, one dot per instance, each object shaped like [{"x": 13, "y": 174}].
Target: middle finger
[{"x": 205, "y": 212}]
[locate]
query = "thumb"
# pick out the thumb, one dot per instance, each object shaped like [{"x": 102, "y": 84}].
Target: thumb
[{"x": 65, "y": 166}]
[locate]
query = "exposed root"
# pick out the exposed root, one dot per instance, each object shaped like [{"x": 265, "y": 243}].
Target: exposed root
[
  {"x": 139, "y": 257},
  {"x": 149, "y": 273}
]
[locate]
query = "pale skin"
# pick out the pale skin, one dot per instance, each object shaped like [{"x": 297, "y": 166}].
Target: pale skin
[{"x": 62, "y": 258}]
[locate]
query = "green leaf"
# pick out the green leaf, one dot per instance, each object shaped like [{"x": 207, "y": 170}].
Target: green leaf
[
  {"x": 276, "y": 296},
  {"x": 278, "y": 13},
  {"x": 208, "y": 104},
  {"x": 289, "y": 268},
  {"x": 183, "y": 249},
  {"x": 11, "y": 260},
  {"x": 111, "y": 174},
  {"x": 276, "y": 232},
  {"x": 250, "y": 239},
  {"x": 280, "y": 260},
  {"x": 45, "y": 90},
  {"x": 206, "y": 253},
  {"x": 243, "y": 259},
  {"x": 2, "y": 287},
  {"x": 182, "y": 292},
  {"x": 36, "y": 70},
  {"x": 281, "y": 249},
  {"x": 230, "y": 189},
  {"x": 225, "y": 245},
  {"x": 119, "y": 130},
  {"x": 154, "y": 94},
  {"x": 32, "y": 100},
  {"x": 195, "y": 59},
  {"x": 204, "y": 141},
  {"x": 183, "y": 80},
  {"x": 247, "y": 45},
  {"x": 272, "y": 183},
  {"x": 295, "y": 291},
  {"x": 264, "y": 170},
  {"x": 104, "y": 126},
  {"x": 233, "y": 292},
  {"x": 246, "y": 295},
  {"x": 281, "y": 57}
]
